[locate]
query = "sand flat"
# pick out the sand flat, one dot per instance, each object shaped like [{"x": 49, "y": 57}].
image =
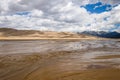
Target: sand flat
[{"x": 59, "y": 60}]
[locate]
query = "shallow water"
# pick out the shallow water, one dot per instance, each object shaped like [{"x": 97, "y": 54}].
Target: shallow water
[
  {"x": 60, "y": 60},
  {"x": 10, "y": 47}
]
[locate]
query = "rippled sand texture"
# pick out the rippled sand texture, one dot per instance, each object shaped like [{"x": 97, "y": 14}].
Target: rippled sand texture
[{"x": 60, "y": 60}]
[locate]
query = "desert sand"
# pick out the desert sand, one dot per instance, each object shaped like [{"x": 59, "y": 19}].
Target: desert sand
[
  {"x": 49, "y": 55},
  {"x": 13, "y": 34},
  {"x": 60, "y": 60}
]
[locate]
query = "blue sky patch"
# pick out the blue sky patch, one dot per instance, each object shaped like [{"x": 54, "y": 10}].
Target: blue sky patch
[
  {"x": 98, "y": 7},
  {"x": 117, "y": 25},
  {"x": 22, "y": 13}
]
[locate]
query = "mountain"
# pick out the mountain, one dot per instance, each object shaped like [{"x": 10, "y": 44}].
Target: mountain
[
  {"x": 8, "y": 33},
  {"x": 103, "y": 34}
]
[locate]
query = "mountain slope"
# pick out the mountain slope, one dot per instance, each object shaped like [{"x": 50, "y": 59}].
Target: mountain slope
[{"x": 103, "y": 34}]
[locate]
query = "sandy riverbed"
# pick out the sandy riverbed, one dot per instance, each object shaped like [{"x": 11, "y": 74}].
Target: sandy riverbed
[{"x": 60, "y": 60}]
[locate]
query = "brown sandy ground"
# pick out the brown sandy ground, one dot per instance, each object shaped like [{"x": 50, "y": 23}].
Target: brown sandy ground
[{"x": 59, "y": 65}]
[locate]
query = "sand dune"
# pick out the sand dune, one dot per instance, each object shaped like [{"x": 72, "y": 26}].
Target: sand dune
[{"x": 8, "y": 33}]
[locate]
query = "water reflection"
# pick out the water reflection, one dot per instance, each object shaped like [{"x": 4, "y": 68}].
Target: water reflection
[
  {"x": 60, "y": 60},
  {"x": 10, "y": 47}
]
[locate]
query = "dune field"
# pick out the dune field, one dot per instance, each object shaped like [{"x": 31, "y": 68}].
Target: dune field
[{"x": 13, "y": 34}]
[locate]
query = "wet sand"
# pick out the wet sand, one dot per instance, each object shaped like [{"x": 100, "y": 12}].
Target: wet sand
[{"x": 60, "y": 60}]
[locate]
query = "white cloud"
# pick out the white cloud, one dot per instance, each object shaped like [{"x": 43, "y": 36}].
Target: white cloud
[
  {"x": 36, "y": 13},
  {"x": 60, "y": 15}
]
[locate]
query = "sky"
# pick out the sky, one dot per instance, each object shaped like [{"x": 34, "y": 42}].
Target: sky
[{"x": 61, "y": 15}]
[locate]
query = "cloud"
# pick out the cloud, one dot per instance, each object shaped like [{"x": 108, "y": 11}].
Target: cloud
[
  {"x": 10, "y": 6},
  {"x": 57, "y": 15},
  {"x": 84, "y": 2}
]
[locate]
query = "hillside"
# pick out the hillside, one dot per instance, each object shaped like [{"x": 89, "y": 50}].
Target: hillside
[
  {"x": 103, "y": 34},
  {"x": 8, "y": 33}
]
